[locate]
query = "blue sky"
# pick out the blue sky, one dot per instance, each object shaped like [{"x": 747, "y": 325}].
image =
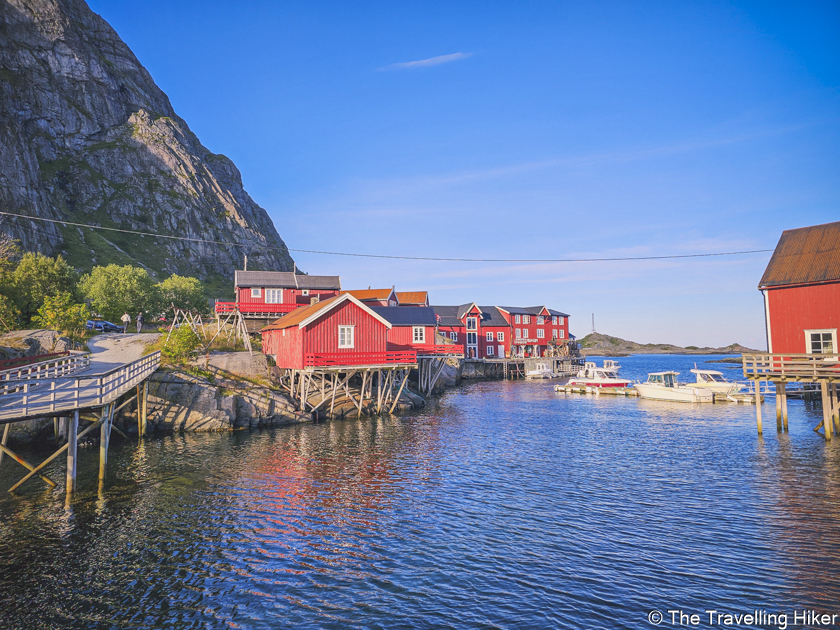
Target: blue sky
[{"x": 537, "y": 130}]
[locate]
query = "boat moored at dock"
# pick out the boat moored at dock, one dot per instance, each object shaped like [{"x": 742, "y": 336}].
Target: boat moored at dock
[
  {"x": 715, "y": 381},
  {"x": 593, "y": 376},
  {"x": 666, "y": 386}
]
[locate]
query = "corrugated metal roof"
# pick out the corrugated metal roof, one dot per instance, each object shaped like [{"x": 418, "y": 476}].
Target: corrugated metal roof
[
  {"x": 299, "y": 314},
  {"x": 369, "y": 294},
  {"x": 804, "y": 256},
  {"x": 413, "y": 297},
  {"x": 407, "y": 315},
  {"x": 284, "y": 280}
]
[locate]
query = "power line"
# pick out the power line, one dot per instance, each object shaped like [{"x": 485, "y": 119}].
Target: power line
[{"x": 356, "y": 255}]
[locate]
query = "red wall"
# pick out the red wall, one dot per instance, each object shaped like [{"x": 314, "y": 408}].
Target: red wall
[
  {"x": 287, "y": 349},
  {"x": 290, "y": 296},
  {"x": 404, "y": 335},
  {"x": 792, "y": 310},
  {"x": 322, "y": 334}
]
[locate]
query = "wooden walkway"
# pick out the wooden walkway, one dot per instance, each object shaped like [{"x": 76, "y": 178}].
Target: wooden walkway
[{"x": 68, "y": 385}]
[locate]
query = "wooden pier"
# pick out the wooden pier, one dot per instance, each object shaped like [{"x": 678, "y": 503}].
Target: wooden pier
[
  {"x": 69, "y": 391},
  {"x": 781, "y": 369}
]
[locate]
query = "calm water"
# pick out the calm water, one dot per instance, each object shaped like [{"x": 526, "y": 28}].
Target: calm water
[{"x": 504, "y": 505}]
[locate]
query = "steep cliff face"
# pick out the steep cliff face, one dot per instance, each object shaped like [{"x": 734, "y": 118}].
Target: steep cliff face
[{"x": 86, "y": 136}]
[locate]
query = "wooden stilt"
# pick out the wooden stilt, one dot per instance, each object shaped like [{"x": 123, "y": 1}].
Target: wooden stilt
[
  {"x": 5, "y": 439},
  {"x": 72, "y": 444},
  {"x": 139, "y": 410},
  {"x": 105, "y": 438},
  {"x": 145, "y": 407},
  {"x": 758, "y": 405},
  {"x": 334, "y": 388},
  {"x": 362, "y": 394},
  {"x": 397, "y": 399},
  {"x": 835, "y": 407},
  {"x": 826, "y": 400},
  {"x": 781, "y": 394},
  {"x": 778, "y": 409}
]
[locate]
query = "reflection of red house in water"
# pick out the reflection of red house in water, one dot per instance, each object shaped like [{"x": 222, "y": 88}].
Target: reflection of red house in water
[{"x": 801, "y": 288}]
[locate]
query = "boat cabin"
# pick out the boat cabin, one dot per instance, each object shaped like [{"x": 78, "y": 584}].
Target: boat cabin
[
  {"x": 664, "y": 379},
  {"x": 709, "y": 376}
]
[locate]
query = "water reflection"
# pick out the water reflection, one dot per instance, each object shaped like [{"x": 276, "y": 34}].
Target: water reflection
[{"x": 505, "y": 505}]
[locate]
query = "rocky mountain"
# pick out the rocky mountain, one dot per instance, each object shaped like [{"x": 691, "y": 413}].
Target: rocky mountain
[
  {"x": 87, "y": 137},
  {"x": 604, "y": 345}
]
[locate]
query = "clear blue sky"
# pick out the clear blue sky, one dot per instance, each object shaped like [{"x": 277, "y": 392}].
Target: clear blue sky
[{"x": 542, "y": 130}]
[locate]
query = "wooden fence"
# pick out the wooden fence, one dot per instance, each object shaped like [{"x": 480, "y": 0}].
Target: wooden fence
[
  {"x": 792, "y": 367},
  {"x": 47, "y": 396}
]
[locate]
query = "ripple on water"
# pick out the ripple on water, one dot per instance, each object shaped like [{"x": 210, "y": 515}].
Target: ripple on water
[{"x": 504, "y": 505}]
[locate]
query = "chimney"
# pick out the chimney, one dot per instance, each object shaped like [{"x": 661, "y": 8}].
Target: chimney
[
  {"x": 314, "y": 299},
  {"x": 246, "y": 263}
]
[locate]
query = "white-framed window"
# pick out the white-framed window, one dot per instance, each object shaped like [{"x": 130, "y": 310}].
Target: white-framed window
[
  {"x": 554, "y": 334},
  {"x": 472, "y": 338},
  {"x": 560, "y": 334},
  {"x": 559, "y": 321},
  {"x": 554, "y": 320},
  {"x": 540, "y": 333},
  {"x": 346, "y": 337},
  {"x": 526, "y": 319},
  {"x": 519, "y": 333},
  {"x": 500, "y": 336},
  {"x": 418, "y": 334},
  {"x": 392, "y": 303},
  {"x": 472, "y": 323},
  {"x": 518, "y": 320},
  {"x": 304, "y": 291},
  {"x": 274, "y": 296},
  {"x": 453, "y": 335},
  {"x": 821, "y": 341},
  {"x": 489, "y": 336},
  {"x": 489, "y": 351},
  {"x": 256, "y": 292},
  {"x": 540, "y": 320}
]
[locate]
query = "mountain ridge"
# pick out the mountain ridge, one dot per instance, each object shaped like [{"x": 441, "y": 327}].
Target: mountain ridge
[
  {"x": 86, "y": 136},
  {"x": 606, "y": 345}
]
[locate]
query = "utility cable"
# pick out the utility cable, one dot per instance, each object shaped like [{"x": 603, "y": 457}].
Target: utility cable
[{"x": 254, "y": 246}]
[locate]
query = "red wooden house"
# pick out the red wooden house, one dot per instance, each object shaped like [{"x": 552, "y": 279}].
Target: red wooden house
[
  {"x": 414, "y": 328},
  {"x": 268, "y": 294},
  {"x": 534, "y": 327},
  {"x": 801, "y": 288},
  {"x": 482, "y": 329},
  {"x": 375, "y": 297},
  {"x": 340, "y": 331}
]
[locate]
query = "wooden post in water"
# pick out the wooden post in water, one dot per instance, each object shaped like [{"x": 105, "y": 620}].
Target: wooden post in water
[
  {"x": 103, "y": 443},
  {"x": 758, "y": 405},
  {"x": 778, "y": 409},
  {"x": 835, "y": 407},
  {"x": 781, "y": 394},
  {"x": 826, "y": 402},
  {"x": 5, "y": 438},
  {"x": 72, "y": 442}
]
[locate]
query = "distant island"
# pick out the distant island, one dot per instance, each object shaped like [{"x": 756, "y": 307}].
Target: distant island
[{"x": 605, "y": 345}]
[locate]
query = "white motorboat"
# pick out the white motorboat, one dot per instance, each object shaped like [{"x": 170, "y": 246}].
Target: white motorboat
[
  {"x": 540, "y": 370},
  {"x": 715, "y": 381},
  {"x": 593, "y": 376},
  {"x": 666, "y": 386}
]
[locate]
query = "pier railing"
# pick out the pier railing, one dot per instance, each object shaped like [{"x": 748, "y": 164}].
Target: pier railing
[
  {"x": 335, "y": 359},
  {"x": 431, "y": 349},
  {"x": 53, "y": 365},
  {"x": 791, "y": 367},
  {"x": 33, "y": 397},
  {"x": 258, "y": 309}
]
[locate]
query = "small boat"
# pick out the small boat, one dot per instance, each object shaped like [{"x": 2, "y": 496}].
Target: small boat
[
  {"x": 666, "y": 386},
  {"x": 715, "y": 381},
  {"x": 593, "y": 376},
  {"x": 540, "y": 370}
]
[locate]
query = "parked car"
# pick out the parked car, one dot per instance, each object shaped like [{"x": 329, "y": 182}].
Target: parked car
[{"x": 102, "y": 326}]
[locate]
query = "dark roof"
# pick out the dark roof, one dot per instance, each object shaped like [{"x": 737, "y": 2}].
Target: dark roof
[
  {"x": 492, "y": 317},
  {"x": 531, "y": 310},
  {"x": 448, "y": 315},
  {"x": 804, "y": 256},
  {"x": 407, "y": 315},
  {"x": 284, "y": 280},
  {"x": 557, "y": 313}
]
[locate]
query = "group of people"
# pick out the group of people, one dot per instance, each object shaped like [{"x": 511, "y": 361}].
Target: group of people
[{"x": 126, "y": 320}]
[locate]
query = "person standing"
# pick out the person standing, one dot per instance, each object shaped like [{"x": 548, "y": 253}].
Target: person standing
[
  {"x": 126, "y": 320},
  {"x": 140, "y": 321}
]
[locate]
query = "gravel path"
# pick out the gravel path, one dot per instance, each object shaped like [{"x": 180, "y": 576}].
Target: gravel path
[{"x": 112, "y": 350}]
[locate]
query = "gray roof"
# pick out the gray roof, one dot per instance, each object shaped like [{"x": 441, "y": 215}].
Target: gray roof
[
  {"x": 531, "y": 310},
  {"x": 492, "y": 317},
  {"x": 284, "y": 280},
  {"x": 406, "y": 315},
  {"x": 448, "y": 315}
]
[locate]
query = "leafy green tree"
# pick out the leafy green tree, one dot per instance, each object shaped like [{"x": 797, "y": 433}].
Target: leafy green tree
[
  {"x": 62, "y": 314},
  {"x": 9, "y": 314},
  {"x": 37, "y": 277},
  {"x": 182, "y": 342},
  {"x": 114, "y": 290},
  {"x": 185, "y": 293}
]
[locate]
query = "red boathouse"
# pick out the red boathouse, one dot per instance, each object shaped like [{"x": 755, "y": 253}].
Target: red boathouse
[
  {"x": 801, "y": 288},
  {"x": 340, "y": 331}
]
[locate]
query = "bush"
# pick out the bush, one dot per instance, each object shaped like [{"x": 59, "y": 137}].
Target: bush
[
  {"x": 62, "y": 314},
  {"x": 182, "y": 342},
  {"x": 9, "y": 314}
]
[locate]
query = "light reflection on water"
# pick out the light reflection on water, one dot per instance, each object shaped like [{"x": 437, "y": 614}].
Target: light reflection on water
[{"x": 503, "y": 505}]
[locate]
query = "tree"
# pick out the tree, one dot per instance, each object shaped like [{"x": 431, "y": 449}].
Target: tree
[
  {"x": 9, "y": 314},
  {"x": 114, "y": 290},
  {"x": 62, "y": 314},
  {"x": 185, "y": 293},
  {"x": 37, "y": 277}
]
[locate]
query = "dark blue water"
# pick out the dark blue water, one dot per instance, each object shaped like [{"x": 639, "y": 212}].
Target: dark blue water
[{"x": 505, "y": 505}]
